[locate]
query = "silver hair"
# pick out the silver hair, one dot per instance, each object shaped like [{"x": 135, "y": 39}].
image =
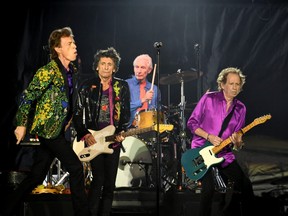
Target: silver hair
[
  {"x": 222, "y": 77},
  {"x": 146, "y": 57}
]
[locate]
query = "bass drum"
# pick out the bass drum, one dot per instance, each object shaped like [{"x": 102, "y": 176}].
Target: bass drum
[{"x": 135, "y": 164}]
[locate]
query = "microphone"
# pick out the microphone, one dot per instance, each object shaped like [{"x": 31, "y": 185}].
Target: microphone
[
  {"x": 196, "y": 46},
  {"x": 158, "y": 44}
]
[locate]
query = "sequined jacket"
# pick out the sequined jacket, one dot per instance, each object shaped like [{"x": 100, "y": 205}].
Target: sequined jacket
[
  {"x": 88, "y": 106},
  {"x": 47, "y": 96}
]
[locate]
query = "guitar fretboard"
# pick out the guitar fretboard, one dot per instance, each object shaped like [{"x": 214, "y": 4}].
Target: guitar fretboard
[
  {"x": 227, "y": 141},
  {"x": 131, "y": 132}
]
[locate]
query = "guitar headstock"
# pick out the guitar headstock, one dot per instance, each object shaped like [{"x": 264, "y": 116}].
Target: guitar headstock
[{"x": 262, "y": 119}]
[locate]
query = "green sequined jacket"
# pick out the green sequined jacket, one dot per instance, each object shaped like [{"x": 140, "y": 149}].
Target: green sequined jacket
[{"x": 49, "y": 92}]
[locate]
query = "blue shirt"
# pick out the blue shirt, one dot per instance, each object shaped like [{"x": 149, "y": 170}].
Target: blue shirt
[
  {"x": 134, "y": 86},
  {"x": 209, "y": 114}
]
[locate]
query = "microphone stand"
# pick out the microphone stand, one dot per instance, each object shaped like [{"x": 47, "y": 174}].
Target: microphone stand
[{"x": 159, "y": 153}]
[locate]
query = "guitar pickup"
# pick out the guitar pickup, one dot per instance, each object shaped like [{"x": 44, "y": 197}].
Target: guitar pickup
[{"x": 198, "y": 160}]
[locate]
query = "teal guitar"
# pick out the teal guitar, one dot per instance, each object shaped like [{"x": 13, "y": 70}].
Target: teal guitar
[{"x": 196, "y": 162}]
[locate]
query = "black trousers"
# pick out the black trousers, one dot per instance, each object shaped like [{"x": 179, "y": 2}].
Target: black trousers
[
  {"x": 48, "y": 150},
  {"x": 104, "y": 171},
  {"x": 241, "y": 193}
]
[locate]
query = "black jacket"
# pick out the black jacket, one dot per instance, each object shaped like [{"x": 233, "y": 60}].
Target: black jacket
[{"x": 87, "y": 106}]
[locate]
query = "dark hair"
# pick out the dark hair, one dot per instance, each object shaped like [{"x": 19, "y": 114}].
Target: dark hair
[
  {"x": 55, "y": 40},
  {"x": 109, "y": 53}
]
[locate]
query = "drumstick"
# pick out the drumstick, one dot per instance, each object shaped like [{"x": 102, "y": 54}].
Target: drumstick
[{"x": 153, "y": 78}]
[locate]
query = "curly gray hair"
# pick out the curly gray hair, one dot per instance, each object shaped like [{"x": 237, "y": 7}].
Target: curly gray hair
[{"x": 222, "y": 77}]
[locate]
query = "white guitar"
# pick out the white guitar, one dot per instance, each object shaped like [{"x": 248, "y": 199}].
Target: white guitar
[{"x": 105, "y": 137}]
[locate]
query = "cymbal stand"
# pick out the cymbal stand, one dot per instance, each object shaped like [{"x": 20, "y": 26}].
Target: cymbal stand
[
  {"x": 182, "y": 134},
  {"x": 182, "y": 116}
]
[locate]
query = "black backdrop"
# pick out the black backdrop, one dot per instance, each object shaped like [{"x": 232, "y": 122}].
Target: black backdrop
[{"x": 251, "y": 35}]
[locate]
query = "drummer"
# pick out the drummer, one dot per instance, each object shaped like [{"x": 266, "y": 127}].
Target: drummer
[{"x": 143, "y": 93}]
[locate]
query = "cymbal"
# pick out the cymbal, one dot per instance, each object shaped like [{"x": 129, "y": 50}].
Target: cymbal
[{"x": 181, "y": 76}]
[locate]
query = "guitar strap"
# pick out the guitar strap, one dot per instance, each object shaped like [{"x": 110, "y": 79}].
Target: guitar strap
[{"x": 225, "y": 123}]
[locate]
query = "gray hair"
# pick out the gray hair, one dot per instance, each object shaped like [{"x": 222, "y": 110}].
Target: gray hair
[
  {"x": 222, "y": 77},
  {"x": 145, "y": 57}
]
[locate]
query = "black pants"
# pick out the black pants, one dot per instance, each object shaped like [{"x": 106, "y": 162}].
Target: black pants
[
  {"x": 104, "y": 170},
  {"x": 241, "y": 193},
  {"x": 49, "y": 149}
]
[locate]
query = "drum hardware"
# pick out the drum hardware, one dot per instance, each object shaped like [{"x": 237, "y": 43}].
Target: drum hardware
[
  {"x": 220, "y": 185},
  {"x": 188, "y": 183},
  {"x": 168, "y": 182},
  {"x": 182, "y": 104},
  {"x": 61, "y": 180},
  {"x": 53, "y": 183},
  {"x": 135, "y": 164},
  {"x": 178, "y": 138},
  {"x": 54, "y": 179},
  {"x": 169, "y": 173},
  {"x": 142, "y": 166},
  {"x": 179, "y": 112},
  {"x": 179, "y": 78},
  {"x": 140, "y": 163},
  {"x": 169, "y": 163}
]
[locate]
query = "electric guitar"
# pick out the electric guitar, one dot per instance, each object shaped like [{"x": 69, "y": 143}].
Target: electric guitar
[
  {"x": 105, "y": 137},
  {"x": 196, "y": 162}
]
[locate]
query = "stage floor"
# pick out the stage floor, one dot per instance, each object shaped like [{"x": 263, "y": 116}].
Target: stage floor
[{"x": 135, "y": 201}]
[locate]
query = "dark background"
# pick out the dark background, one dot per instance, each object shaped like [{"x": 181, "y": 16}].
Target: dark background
[{"x": 251, "y": 35}]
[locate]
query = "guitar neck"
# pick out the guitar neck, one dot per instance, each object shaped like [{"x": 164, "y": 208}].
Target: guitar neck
[
  {"x": 130, "y": 132},
  {"x": 227, "y": 141}
]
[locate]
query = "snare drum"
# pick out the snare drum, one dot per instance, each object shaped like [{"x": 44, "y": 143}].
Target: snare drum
[
  {"x": 135, "y": 164},
  {"x": 146, "y": 119}
]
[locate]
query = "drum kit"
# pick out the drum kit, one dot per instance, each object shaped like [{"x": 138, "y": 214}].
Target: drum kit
[{"x": 138, "y": 164}]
